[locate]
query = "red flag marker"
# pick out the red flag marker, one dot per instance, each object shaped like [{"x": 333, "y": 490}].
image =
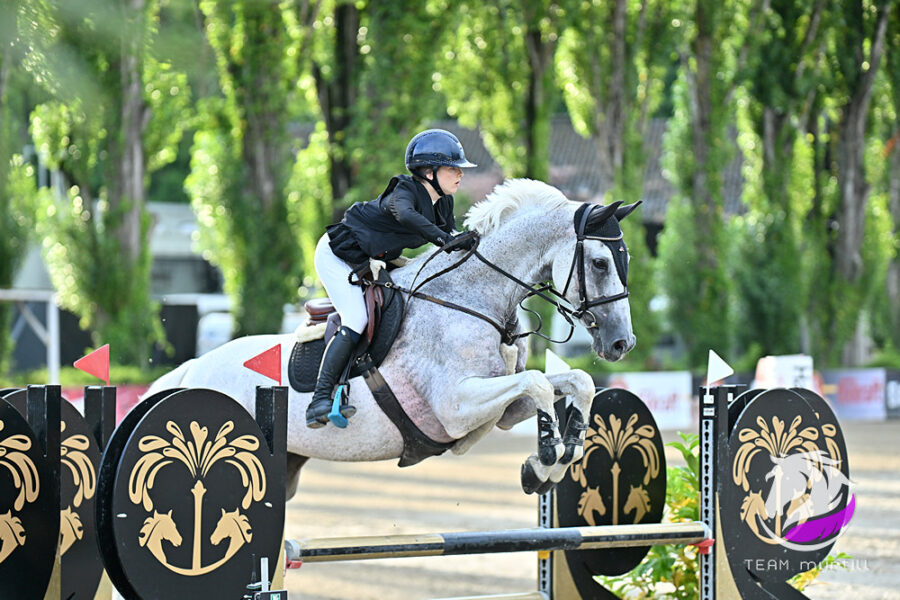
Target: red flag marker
[
  {"x": 96, "y": 363},
  {"x": 267, "y": 363}
]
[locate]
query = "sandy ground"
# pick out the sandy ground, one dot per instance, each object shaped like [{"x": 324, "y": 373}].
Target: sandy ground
[{"x": 481, "y": 491}]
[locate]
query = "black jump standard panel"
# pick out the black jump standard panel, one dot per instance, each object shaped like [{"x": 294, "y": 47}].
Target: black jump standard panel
[
  {"x": 197, "y": 496},
  {"x": 620, "y": 481},
  {"x": 29, "y": 492}
]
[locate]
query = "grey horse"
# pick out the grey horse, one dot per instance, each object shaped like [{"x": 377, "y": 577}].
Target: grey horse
[{"x": 450, "y": 370}]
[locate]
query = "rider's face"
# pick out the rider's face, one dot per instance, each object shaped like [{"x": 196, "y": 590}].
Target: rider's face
[{"x": 449, "y": 178}]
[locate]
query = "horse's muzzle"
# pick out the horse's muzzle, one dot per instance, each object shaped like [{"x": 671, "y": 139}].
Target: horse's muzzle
[{"x": 616, "y": 349}]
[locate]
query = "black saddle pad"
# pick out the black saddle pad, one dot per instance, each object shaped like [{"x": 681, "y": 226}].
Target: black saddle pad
[{"x": 303, "y": 367}]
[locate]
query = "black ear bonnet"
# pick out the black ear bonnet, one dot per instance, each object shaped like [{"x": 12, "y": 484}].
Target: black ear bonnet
[{"x": 601, "y": 224}]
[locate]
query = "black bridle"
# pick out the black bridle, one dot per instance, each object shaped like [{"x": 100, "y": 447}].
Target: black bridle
[
  {"x": 615, "y": 245},
  {"x": 582, "y": 217}
]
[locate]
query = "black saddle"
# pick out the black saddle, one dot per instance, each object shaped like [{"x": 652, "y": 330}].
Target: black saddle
[{"x": 385, "y": 309}]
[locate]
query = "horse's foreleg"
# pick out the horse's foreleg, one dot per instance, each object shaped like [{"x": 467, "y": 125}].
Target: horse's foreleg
[
  {"x": 578, "y": 389},
  {"x": 481, "y": 400}
]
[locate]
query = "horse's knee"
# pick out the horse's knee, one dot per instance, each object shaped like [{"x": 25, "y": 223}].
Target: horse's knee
[{"x": 539, "y": 386}]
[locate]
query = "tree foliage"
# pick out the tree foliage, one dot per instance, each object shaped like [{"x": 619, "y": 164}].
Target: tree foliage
[
  {"x": 115, "y": 115},
  {"x": 498, "y": 75},
  {"x": 611, "y": 94},
  {"x": 305, "y": 106},
  {"x": 694, "y": 246},
  {"x": 17, "y": 177},
  {"x": 781, "y": 77},
  {"x": 241, "y": 161}
]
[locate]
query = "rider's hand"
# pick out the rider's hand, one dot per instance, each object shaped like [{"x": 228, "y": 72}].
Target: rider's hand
[{"x": 461, "y": 241}]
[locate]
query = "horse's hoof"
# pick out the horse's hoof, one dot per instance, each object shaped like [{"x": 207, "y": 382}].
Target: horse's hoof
[
  {"x": 530, "y": 481},
  {"x": 545, "y": 487}
]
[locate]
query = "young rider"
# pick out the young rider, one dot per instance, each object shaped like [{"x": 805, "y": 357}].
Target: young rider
[{"x": 411, "y": 211}]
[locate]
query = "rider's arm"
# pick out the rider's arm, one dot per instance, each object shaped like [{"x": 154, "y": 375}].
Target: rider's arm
[{"x": 402, "y": 207}]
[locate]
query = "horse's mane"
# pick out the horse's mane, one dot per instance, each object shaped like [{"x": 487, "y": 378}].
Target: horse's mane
[{"x": 508, "y": 197}]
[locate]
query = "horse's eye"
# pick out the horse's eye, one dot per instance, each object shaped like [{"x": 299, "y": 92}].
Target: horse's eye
[{"x": 601, "y": 264}]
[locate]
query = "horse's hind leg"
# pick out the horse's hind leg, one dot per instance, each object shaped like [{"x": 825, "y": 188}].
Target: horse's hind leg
[{"x": 480, "y": 400}]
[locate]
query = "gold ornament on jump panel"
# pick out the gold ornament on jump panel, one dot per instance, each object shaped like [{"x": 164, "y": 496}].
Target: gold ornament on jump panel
[
  {"x": 617, "y": 440},
  {"x": 25, "y": 478},
  {"x": 794, "y": 454},
  {"x": 72, "y": 455},
  {"x": 199, "y": 455}
]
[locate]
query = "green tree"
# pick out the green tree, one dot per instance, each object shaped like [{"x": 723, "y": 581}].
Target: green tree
[
  {"x": 498, "y": 75},
  {"x": 611, "y": 93},
  {"x": 694, "y": 245},
  {"x": 115, "y": 117},
  {"x": 372, "y": 68},
  {"x": 17, "y": 178},
  {"x": 891, "y": 306},
  {"x": 241, "y": 161},
  {"x": 842, "y": 211},
  {"x": 781, "y": 78}
]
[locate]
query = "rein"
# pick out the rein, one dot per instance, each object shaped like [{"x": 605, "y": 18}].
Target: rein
[{"x": 506, "y": 331}]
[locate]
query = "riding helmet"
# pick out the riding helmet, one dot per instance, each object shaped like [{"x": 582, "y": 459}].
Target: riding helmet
[{"x": 435, "y": 148}]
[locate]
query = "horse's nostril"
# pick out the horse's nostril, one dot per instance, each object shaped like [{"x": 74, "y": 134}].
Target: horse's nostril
[{"x": 620, "y": 346}]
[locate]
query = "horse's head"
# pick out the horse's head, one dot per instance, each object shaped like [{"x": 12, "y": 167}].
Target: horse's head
[{"x": 593, "y": 276}]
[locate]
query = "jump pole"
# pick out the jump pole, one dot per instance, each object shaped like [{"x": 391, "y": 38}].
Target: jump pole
[{"x": 492, "y": 542}]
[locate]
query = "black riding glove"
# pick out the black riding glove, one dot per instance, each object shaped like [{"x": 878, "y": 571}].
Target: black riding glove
[{"x": 461, "y": 241}]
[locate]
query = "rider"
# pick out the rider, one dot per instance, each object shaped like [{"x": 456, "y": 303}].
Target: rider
[{"x": 411, "y": 211}]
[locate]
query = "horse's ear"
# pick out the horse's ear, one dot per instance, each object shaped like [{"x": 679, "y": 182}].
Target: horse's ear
[
  {"x": 602, "y": 213},
  {"x": 626, "y": 210},
  {"x": 223, "y": 512}
]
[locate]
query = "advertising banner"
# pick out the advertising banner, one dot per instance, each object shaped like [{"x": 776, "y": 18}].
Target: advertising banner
[
  {"x": 857, "y": 394},
  {"x": 892, "y": 394},
  {"x": 667, "y": 394}
]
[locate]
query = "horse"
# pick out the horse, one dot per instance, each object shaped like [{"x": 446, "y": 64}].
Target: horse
[{"x": 452, "y": 370}]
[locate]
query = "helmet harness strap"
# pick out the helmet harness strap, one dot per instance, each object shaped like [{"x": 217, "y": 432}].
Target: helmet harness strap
[{"x": 434, "y": 180}]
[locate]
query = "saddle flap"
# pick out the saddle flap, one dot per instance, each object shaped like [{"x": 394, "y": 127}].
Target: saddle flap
[{"x": 385, "y": 307}]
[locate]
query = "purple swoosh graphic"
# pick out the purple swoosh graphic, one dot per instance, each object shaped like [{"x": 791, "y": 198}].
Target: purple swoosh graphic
[{"x": 820, "y": 529}]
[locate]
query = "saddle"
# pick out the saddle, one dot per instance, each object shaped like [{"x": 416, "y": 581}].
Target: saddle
[{"x": 385, "y": 309}]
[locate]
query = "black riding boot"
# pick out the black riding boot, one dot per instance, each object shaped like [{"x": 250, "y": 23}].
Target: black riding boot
[{"x": 333, "y": 363}]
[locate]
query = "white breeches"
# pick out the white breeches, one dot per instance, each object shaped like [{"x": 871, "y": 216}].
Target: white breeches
[{"x": 347, "y": 298}]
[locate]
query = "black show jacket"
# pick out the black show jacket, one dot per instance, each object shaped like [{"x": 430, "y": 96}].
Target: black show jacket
[{"x": 403, "y": 216}]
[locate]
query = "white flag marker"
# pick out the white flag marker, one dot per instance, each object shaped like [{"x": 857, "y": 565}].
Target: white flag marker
[
  {"x": 554, "y": 364},
  {"x": 717, "y": 369}
]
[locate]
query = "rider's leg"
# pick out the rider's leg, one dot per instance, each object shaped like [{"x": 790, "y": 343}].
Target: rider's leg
[{"x": 348, "y": 300}]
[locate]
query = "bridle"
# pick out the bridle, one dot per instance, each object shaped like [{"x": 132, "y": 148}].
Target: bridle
[
  {"x": 584, "y": 303},
  {"x": 545, "y": 291}
]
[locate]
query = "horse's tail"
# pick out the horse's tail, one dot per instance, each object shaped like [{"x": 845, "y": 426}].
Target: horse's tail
[{"x": 172, "y": 379}]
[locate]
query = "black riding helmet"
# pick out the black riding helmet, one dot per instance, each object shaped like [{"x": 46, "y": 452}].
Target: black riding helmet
[{"x": 435, "y": 148}]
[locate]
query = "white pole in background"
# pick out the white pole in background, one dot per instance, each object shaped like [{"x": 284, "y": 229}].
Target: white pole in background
[{"x": 52, "y": 340}]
